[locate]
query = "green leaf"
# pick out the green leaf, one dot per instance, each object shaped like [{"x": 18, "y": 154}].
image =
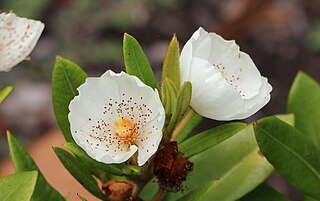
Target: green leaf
[
  {"x": 137, "y": 63},
  {"x": 293, "y": 155},
  {"x": 93, "y": 164},
  {"x": 181, "y": 106},
  {"x": 66, "y": 78},
  {"x": 307, "y": 198},
  {"x": 196, "y": 119},
  {"x": 171, "y": 66},
  {"x": 264, "y": 193},
  {"x": 288, "y": 118},
  {"x": 23, "y": 162},
  {"x": 237, "y": 165},
  {"x": 18, "y": 187},
  {"x": 234, "y": 161},
  {"x": 200, "y": 193},
  {"x": 78, "y": 171},
  {"x": 209, "y": 138},
  {"x": 82, "y": 198},
  {"x": 169, "y": 96},
  {"x": 304, "y": 102},
  {"x": 5, "y": 92}
]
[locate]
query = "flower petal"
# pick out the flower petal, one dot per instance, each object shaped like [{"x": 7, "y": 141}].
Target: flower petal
[
  {"x": 110, "y": 114},
  {"x": 226, "y": 84},
  {"x": 150, "y": 138},
  {"x": 214, "y": 91},
  {"x": 260, "y": 100},
  {"x": 18, "y": 37}
]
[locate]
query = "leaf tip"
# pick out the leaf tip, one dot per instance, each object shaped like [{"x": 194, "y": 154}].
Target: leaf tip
[
  {"x": 58, "y": 58},
  {"x": 9, "y": 135}
]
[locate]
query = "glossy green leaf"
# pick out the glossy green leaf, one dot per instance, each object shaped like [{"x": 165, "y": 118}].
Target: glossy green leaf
[
  {"x": 169, "y": 95},
  {"x": 304, "y": 102},
  {"x": 288, "y": 118},
  {"x": 66, "y": 78},
  {"x": 137, "y": 63},
  {"x": 23, "y": 162},
  {"x": 18, "y": 187},
  {"x": 192, "y": 124},
  {"x": 234, "y": 161},
  {"x": 171, "y": 66},
  {"x": 264, "y": 193},
  {"x": 237, "y": 165},
  {"x": 181, "y": 106},
  {"x": 5, "y": 92},
  {"x": 209, "y": 138},
  {"x": 93, "y": 164},
  {"x": 296, "y": 158},
  {"x": 78, "y": 171}
]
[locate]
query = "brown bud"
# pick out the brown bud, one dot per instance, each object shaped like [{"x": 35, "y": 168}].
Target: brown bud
[
  {"x": 171, "y": 168},
  {"x": 119, "y": 190}
]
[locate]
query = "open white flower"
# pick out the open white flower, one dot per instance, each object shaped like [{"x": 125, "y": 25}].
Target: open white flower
[
  {"x": 226, "y": 84},
  {"x": 116, "y": 115},
  {"x": 18, "y": 36}
]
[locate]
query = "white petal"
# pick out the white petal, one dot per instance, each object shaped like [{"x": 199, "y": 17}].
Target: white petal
[
  {"x": 187, "y": 53},
  {"x": 226, "y": 84},
  {"x": 86, "y": 112},
  {"x": 213, "y": 91},
  {"x": 150, "y": 138},
  {"x": 18, "y": 36},
  {"x": 142, "y": 93},
  {"x": 236, "y": 66},
  {"x": 254, "y": 104},
  {"x": 93, "y": 115}
]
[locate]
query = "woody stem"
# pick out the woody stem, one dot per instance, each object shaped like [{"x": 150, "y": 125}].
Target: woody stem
[{"x": 159, "y": 195}]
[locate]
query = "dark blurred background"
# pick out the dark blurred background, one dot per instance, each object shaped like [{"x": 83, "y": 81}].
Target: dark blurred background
[{"x": 281, "y": 36}]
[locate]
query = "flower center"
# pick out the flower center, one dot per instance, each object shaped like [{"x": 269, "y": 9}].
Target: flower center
[{"x": 126, "y": 130}]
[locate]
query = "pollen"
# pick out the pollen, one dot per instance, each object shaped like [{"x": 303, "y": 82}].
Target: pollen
[{"x": 126, "y": 131}]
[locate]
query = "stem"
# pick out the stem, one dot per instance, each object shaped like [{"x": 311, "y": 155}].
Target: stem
[
  {"x": 159, "y": 195},
  {"x": 182, "y": 124}
]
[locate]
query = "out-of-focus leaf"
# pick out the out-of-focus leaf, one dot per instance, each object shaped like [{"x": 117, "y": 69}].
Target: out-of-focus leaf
[
  {"x": 296, "y": 158},
  {"x": 313, "y": 37},
  {"x": 5, "y": 92},
  {"x": 137, "y": 63},
  {"x": 66, "y": 78},
  {"x": 264, "y": 193},
  {"x": 304, "y": 102},
  {"x": 307, "y": 198},
  {"x": 18, "y": 187},
  {"x": 31, "y": 8},
  {"x": 23, "y": 162},
  {"x": 78, "y": 171},
  {"x": 209, "y": 138},
  {"x": 181, "y": 106},
  {"x": 171, "y": 66}
]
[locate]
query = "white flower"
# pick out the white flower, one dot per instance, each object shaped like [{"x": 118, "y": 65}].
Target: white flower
[
  {"x": 18, "y": 36},
  {"x": 226, "y": 84},
  {"x": 116, "y": 115}
]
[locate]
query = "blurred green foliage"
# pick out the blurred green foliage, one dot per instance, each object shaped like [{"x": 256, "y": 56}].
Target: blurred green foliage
[
  {"x": 86, "y": 31},
  {"x": 30, "y": 8},
  {"x": 313, "y": 38}
]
